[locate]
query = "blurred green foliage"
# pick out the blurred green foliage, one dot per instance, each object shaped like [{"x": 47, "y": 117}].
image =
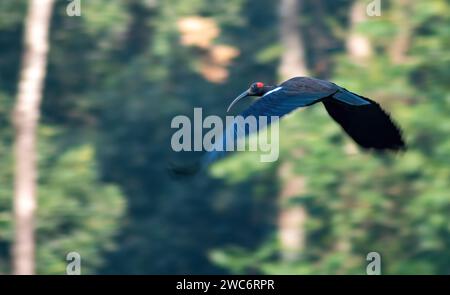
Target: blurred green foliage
[
  {"x": 118, "y": 74},
  {"x": 397, "y": 205}
]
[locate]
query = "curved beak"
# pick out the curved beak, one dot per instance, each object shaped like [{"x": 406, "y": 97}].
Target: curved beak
[{"x": 243, "y": 94}]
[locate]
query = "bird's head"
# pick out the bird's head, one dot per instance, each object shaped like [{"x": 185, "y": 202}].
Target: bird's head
[{"x": 256, "y": 89}]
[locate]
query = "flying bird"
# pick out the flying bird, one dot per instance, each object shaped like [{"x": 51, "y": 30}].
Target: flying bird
[{"x": 360, "y": 117}]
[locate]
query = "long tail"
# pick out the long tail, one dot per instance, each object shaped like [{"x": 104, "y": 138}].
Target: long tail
[
  {"x": 208, "y": 158},
  {"x": 179, "y": 171},
  {"x": 200, "y": 165}
]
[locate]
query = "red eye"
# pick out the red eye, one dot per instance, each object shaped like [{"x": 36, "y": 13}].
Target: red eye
[{"x": 259, "y": 84}]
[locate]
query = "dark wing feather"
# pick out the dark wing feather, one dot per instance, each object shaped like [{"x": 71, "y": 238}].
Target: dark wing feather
[
  {"x": 277, "y": 103},
  {"x": 369, "y": 125}
]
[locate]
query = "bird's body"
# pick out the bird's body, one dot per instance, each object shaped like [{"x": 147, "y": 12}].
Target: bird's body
[{"x": 361, "y": 118}]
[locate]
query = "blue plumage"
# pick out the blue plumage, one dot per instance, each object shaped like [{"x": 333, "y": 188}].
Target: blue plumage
[{"x": 363, "y": 119}]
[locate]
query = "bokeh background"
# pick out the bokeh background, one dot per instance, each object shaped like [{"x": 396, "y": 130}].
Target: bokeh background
[{"x": 119, "y": 73}]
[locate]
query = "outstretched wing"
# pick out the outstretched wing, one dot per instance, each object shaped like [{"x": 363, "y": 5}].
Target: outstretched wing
[
  {"x": 270, "y": 107},
  {"x": 364, "y": 121}
]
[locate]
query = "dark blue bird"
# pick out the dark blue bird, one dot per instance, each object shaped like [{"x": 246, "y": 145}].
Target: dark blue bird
[{"x": 361, "y": 118}]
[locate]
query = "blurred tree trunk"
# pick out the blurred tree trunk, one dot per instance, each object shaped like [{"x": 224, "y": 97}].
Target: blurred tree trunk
[
  {"x": 292, "y": 218},
  {"x": 358, "y": 46},
  {"x": 25, "y": 117},
  {"x": 293, "y": 63},
  {"x": 322, "y": 41},
  {"x": 400, "y": 46}
]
